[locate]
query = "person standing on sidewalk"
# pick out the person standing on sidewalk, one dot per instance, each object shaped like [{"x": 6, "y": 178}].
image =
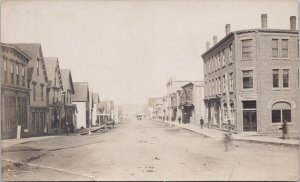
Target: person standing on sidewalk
[
  {"x": 201, "y": 122},
  {"x": 284, "y": 129},
  {"x": 67, "y": 127},
  {"x": 179, "y": 119}
]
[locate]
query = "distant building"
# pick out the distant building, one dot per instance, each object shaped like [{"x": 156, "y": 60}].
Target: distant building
[
  {"x": 191, "y": 102},
  {"x": 105, "y": 111},
  {"x": 68, "y": 91},
  {"x": 251, "y": 79},
  {"x": 37, "y": 81},
  {"x": 94, "y": 102},
  {"x": 14, "y": 90},
  {"x": 81, "y": 99},
  {"x": 54, "y": 93},
  {"x": 156, "y": 107}
]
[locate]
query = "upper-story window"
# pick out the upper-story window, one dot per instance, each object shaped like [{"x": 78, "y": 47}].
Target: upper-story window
[
  {"x": 218, "y": 60},
  {"x": 219, "y": 84},
  {"x": 224, "y": 83},
  {"x": 285, "y": 48},
  {"x": 275, "y": 78},
  {"x": 34, "y": 91},
  {"x": 17, "y": 73},
  {"x": 230, "y": 54},
  {"x": 246, "y": 48},
  {"x": 12, "y": 73},
  {"x": 223, "y": 58},
  {"x": 5, "y": 71},
  {"x": 37, "y": 67},
  {"x": 42, "y": 92},
  {"x": 275, "y": 48},
  {"x": 23, "y": 76},
  {"x": 247, "y": 79},
  {"x": 285, "y": 74},
  {"x": 231, "y": 81}
]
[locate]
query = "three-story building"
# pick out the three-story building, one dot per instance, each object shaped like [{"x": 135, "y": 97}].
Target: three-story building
[{"x": 251, "y": 79}]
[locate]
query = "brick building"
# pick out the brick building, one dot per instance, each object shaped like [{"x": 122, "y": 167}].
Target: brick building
[
  {"x": 37, "y": 83},
  {"x": 14, "y": 90},
  {"x": 251, "y": 79}
]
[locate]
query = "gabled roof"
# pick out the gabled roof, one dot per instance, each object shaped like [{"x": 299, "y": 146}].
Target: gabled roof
[
  {"x": 32, "y": 50},
  {"x": 66, "y": 77},
  {"x": 17, "y": 49},
  {"x": 81, "y": 92},
  {"x": 52, "y": 64}
]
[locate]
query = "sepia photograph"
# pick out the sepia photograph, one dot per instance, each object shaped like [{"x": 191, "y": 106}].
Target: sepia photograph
[{"x": 149, "y": 90}]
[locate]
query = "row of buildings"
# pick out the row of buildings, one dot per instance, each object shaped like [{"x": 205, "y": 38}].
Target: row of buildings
[
  {"x": 39, "y": 97},
  {"x": 251, "y": 81}
]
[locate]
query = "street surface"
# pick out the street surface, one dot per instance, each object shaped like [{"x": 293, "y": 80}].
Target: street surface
[{"x": 147, "y": 150}]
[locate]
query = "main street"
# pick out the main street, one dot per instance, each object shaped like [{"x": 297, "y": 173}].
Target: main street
[{"x": 146, "y": 150}]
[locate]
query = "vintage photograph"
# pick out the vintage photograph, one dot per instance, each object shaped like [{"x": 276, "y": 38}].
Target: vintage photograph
[{"x": 140, "y": 90}]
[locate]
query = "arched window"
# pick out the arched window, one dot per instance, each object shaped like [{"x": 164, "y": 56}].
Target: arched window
[
  {"x": 232, "y": 109},
  {"x": 281, "y": 111}
]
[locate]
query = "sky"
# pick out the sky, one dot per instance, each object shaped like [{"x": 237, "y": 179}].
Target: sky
[{"x": 128, "y": 49}]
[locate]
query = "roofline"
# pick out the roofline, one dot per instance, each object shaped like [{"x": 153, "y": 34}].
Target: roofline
[
  {"x": 248, "y": 31},
  {"x": 188, "y": 84},
  {"x": 16, "y": 48}
]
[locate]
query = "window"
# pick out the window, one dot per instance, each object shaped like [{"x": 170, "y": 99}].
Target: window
[
  {"x": 34, "y": 91},
  {"x": 247, "y": 49},
  {"x": 219, "y": 85},
  {"x": 38, "y": 67},
  {"x": 23, "y": 76},
  {"x": 5, "y": 71},
  {"x": 247, "y": 79},
  {"x": 216, "y": 85},
  {"x": 275, "y": 78},
  {"x": 230, "y": 54},
  {"x": 231, "y": 81},
  {"x": 275, "y": 48},
  {"x": 285, "y": 75},
  {"x": 224, "y": 83},
  {"x": 223, "y": 58},
  {"x": 12, "y": 73},
  {"x": 17, "y": 73},
  {"x": 42, "y": 92},
  {"x": 281, "y": 111},
  {"x": 219, "y": 61},
  {"x": 285, "y": 48}
]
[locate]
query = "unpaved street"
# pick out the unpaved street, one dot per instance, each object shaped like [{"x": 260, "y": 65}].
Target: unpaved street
[{"x": 147, "y": 150}]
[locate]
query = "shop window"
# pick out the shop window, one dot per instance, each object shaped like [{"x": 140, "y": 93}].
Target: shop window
[{"x": 281, "y": 111}]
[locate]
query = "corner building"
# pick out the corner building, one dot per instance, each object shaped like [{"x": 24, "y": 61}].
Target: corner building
[{"x": 252, "y": 80}]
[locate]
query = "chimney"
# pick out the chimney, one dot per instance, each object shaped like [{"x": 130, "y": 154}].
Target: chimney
[
  {"x": 227, "y": 29},
  {"x": 215, "y": 40},
  {"x": 293, "y": 22},
  {"x": 264, "y": 20},
  {"x": 207, "y": 45}
]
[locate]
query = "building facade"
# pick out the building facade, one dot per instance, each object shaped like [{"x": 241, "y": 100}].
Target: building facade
[
  {"x": 55, "y": 100},
  {"x": 251, "y": 79},
  {"x": 15, "y": 94},
  {"x": 191, "y": 102},
  {"x": 68, "y": 91},
  {"x": 156, "y": 107},
  {"x": 81, "y": 99},
  {"x": 37, "y": 81}
]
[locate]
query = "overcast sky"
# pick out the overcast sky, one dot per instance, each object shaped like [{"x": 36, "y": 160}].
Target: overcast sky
[{"x": 128, "y": 49}]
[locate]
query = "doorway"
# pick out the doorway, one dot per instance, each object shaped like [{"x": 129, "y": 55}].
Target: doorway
[{"x": 249, "y": 116}]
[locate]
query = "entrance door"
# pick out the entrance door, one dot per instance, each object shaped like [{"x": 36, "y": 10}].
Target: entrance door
[{"x": 249, "y": 116}]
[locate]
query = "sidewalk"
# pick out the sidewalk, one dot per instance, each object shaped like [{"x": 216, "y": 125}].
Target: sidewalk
[
  {"x": 10, "y": 142},
  {"x": 249, "y": 137}
]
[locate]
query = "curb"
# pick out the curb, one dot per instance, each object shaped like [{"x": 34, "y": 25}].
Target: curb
[{"x": 243, "y": 140}]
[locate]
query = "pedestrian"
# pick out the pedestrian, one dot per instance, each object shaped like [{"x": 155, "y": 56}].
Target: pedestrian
[
  {"x": 284, "y": 129},
  {"x": 201, "y": 122},
  {"x": 179, "y": 119},
  {"x": 67, "y": 127}
]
